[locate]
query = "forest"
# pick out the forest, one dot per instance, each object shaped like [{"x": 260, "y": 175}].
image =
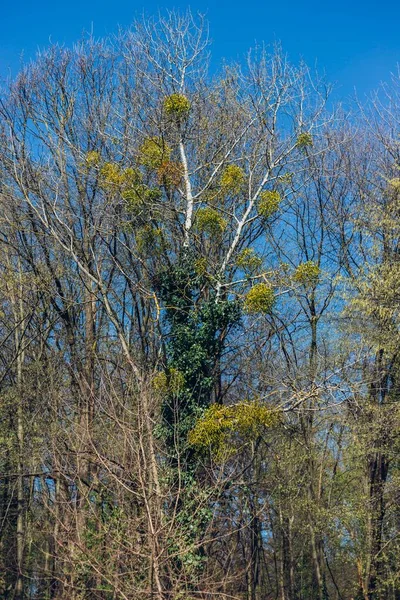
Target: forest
[{"x": 199, "y": 326}]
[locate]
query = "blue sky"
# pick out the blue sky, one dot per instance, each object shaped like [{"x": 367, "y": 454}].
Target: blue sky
[{"x": 356, "y": 43}]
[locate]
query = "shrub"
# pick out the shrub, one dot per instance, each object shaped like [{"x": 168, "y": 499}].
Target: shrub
[{"x": 232, "y": 179}]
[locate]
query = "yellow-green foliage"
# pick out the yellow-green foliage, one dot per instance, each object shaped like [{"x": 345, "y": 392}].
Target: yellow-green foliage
[
  {"x": 127, "y": 182},
  {"x": 221, "y": 426},
  {"x": 248, "y": 260},
  {"x": 268, "y": 203},
  {"x": 172, "y": 382},
  {"x": 137, "y": 196},
  {"x": 375, "y": 311},
  {"x": 130, "y": 177},
  {"x": 153, "y": 152},
  {"x": 304, "y": 140},
  {"x": 133, "y": 191},
  {"x": 93, "y": 158},
  {"x": 210, "y": 221},
  {"x": 177, "y": 105},
  {"x": 287, "y": 178},
  {"x": 259, "y": 299},
  {"x": 200, "y": 266},
  {"x": 232, "y": 179},
  {"x": 110, "y": 176},
  {"x": 134, "y": 198},
  {"x": 307, "y": 273},
  {"x": 395, "y": 183},
  {"x": 149, "y": 239}
]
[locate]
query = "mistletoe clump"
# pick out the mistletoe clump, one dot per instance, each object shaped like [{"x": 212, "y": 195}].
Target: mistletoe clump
[
  {"x": 128, "y": 183},
  {"x": 177, "y": 106},
  {"x": 131, "y": 177},
  {"x": 220, "y": 426},
  {"x": 248, "y": 260},
  {"x": 134, "y": 199},
  {"x": 93, "y": 158},
  {"x": 307, "y": 273},
  {"x": 153, "y": 152},
  {"x": 113, "y": 178},
  {"x": 110, "y": 176},
  {"x": 208, "y": 220},
  {"x": 232, "y": 179},
  {"x": 395, "y": 184},
  {"x": 259, "y": 299},
  {"x": 172, "y": 382},
  {"x": 137, "y": 196},
  {"x": 134, "y": 191},
  {"x": 268, "y": 203},
  {"x": 304, "y": 139}
]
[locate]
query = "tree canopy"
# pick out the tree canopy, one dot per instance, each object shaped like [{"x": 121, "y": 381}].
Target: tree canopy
[{"x": 199, "y": 327}]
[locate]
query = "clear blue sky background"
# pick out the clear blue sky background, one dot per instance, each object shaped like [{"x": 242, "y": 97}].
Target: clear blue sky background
[{"x": 357, "y": 43}]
